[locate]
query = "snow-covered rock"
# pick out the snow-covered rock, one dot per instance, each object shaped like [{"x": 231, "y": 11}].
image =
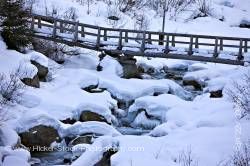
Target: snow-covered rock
[{"x": 155, "y": 107}]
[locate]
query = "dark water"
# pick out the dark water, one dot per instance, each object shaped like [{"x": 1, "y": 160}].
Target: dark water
[{"x": 53, "y": 158}]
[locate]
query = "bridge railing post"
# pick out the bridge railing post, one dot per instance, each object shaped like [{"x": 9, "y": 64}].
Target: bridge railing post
[
  {"x": 120, "y": 41},
  {"x": 173, "y": 40},
  {"x": 161, "y": 38},
  {"x": 190, "y": 50},
  {"x": 126, "y": 36},
  {"x": 221, "y": 44},
  {"x": 76, "y": 31},
  {"x": 61, "y": 27},
  {"x": 245, "y": 46},
  {"x": 54, "y": 28},
  {"x": 105, "y": 38},
  {"x": 240, "y": 54},
  {"x": 196, "y": 42},
  {"x": 149, "y": 38},
  {"x": 98, "y": 38},
  {"x": 216, "y": 48},
  {"x": 32, "y": 27},
  {"x": 39, "y": 22},
  {"x": 82, "y": 31},
  {"x": 167, "y": 45},
  {"x": 143, "y": 42}
]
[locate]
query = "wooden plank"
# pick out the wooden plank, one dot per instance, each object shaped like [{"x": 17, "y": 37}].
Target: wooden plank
[
  {"x": 240, "y": 54},
  {"x": 190, "y": 50},
  {"x": 216, "y": 48},
  {"x": 143, "y": 42},
  {"x": 120, "y": 41}
]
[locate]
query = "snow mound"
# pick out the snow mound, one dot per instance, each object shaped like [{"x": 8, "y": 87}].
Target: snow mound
[
  {"x": 111, "y": 66},
  {"x": 79, "y": 128},
  {"x": 34, "y": 118},
  {"x": 95, "y": 152},
  {"x": 8, "y": 137},
  {"x": 12, "y": 61},
  {"x": 130, "y": 89},
  {"x": 39, "y": 58},
  {"x": 150, "y": 111}
]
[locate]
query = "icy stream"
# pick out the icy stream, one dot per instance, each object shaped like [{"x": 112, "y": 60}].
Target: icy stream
[{"x": 64, "y": 157}]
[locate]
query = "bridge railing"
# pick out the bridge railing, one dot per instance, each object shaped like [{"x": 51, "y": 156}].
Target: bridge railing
[{"x": 119, "y": 37}]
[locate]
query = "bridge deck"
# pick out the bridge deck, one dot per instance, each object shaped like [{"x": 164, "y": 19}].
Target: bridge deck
[{"x": 218, "y": 49}]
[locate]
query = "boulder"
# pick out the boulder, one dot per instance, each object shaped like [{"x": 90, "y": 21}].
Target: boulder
[
  {"x": 216, "y": 94},
  {"x": 114, "y": 18},
  {"x": 130, "y": 69},
  {"x": 39, "y": 136},
  {"x": 33, "y": 82},
  {"x": 68, "y": 121},
  {"x": 91, "y": 116},
  {"x": 197, "y": 85},
  {"x": 84, "y": 139},
  {"x": 105, "y": 161},
  {"x": 42, "y": 70}
]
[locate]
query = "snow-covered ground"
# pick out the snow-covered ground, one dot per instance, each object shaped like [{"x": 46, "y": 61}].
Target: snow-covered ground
[{"x": 207, "y": 126}]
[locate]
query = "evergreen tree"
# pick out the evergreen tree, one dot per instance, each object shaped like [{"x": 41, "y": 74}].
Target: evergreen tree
[{"x": 15, "y": 30}]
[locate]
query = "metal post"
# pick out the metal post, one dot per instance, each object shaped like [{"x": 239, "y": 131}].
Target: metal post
[{"x": 164, "y": 16}]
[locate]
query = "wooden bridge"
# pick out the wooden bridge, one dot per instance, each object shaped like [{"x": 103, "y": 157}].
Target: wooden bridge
[{"x": 217, "y": 49}]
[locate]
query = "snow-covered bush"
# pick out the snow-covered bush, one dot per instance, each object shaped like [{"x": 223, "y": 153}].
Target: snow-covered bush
[
  {"x": 10, "y": 88},
  {"x": 83, "y": 2},
  {"x": 204, "y": 8},
  {"x": 239, "y": 94},
  {"x": 54, "y": 51},
  {"x": 186, "y": 158},
  {"x": 142, "y": 22},
  {"x": 172, "y": 7},
  {"x": 241, "y": 157},
  {"x": 127, "y": 5}
]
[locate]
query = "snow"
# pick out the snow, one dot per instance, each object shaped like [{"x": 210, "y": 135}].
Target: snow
[
  {"x": 130, "y": 89},
  {"x": 99, "y": 128},
  {"x": 206, "y": 125},
  {"x": 95, "y": 152},
  {"x": 15, "y": 62},
  {"x": 11, "y": 157},
  {"x": 155, "y": 107},
  {"x": 32, "y": 119},
  {"x": 12, "y": 160},
  {"x": 39, "y": 58},
  {"x": 8, "y": 136}
]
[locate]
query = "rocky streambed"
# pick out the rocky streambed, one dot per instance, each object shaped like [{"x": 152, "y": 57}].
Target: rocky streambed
[{"x": 63, "y": 150}]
